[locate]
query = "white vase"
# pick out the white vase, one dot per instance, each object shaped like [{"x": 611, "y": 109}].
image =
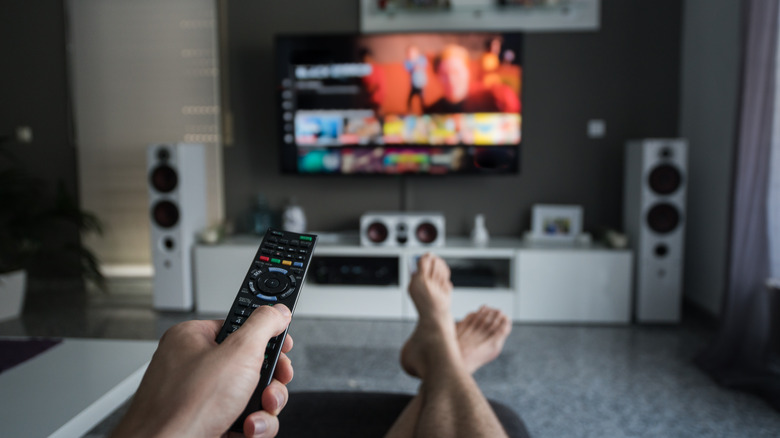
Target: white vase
[{"x": 12, "y": 287}]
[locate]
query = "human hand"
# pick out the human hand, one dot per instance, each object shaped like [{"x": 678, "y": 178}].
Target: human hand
[{"x": 195, "y": 387}]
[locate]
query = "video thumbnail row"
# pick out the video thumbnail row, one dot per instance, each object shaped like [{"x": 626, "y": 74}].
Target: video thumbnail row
[
  {"x": 339, "y": 128},
  {"x": 393, "y": 160}
]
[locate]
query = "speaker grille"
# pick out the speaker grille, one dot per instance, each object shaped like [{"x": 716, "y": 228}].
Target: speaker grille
[
  {"x": 377, "y": 232},
  {"x": 164, "y": 179},
  {"x": 663, "y": 218},
  {"x": 664, "y": 179},
  {"x": 426, "y": 232},
  {"x": 165, "y": 214}
]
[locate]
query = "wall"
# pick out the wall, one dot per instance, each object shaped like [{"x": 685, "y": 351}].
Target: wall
[
  {"x": 34, "y": 93},
  {"x": 627, "y": 73},
  {"x": 708, "y": 118}
]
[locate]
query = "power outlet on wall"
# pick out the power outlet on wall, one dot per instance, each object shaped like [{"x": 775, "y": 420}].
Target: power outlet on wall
[{"x": 597, "y": 128}]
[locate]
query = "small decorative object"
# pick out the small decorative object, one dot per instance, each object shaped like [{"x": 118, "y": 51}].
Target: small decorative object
[
  {"x": 479, "y": 234},
  {"x": 556, "y": 223},
  {"x": 262, "y": 217},
  {"x": 293, "y": 218}
]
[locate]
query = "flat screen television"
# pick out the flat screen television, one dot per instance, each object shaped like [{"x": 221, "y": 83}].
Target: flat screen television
[{"x": 427, "y": 103}]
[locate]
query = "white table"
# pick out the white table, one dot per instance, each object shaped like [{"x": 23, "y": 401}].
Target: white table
[{"x": 68, "y": 389}]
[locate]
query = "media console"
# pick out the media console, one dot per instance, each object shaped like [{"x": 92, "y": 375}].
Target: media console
[{"x": 529, "y": 282}]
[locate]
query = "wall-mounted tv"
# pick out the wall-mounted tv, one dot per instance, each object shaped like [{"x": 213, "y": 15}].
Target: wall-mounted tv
[{"x": 428, "y": 103}]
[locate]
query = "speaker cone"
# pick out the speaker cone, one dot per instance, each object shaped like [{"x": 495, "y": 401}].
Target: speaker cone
[
  {"x": 377, "y": 232},
  {"x": 165, "y": 214},
  {"x": 164, "y": 179},
  {"x": 426, "y": 232},
  {"x": 663, "y": 218},
  {"x": 664, "y": 179}
]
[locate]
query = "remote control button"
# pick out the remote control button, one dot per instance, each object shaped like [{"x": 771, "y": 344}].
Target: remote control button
[
  {"x": 307, "y": 238},
  {"x": 239, "y": 320},
  {"x": 303, "y": 251},
  {"x": 233, "y": 328},
  {"x": 271, "y": 283},
  {"x": 275, "y": 261},
  {"x": 286, "y": 262},
  {"x": 266, "y": 251},
  {"x": 245, "y": 311},
  {"x": 277, "y": 233},
  {"x": 306, "y": 244},
  {"x": 287, "y": 293},
  {"x": 277, "y": 269},
  {"x": 284, "y": 241},
  {"x": 242, "y": 301},
  {"x": 298, "y": 264},
  {"x": 264, "y": 258},
  {"x": 294, "y": 243},
  {"x": 267, "y": 298}
]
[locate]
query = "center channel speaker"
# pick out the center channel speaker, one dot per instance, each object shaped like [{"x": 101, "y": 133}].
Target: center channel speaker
[
  {"x": 178, "y": 211},
  {"x": 654, "y": 219},
  {"x": 402, "y": 229}
]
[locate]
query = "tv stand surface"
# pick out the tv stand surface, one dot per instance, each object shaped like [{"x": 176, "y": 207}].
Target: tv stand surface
[{"x": 530, "y": 282}]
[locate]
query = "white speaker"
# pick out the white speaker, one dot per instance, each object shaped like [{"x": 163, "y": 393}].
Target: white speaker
[
  {"x": 402, "y": 229},
  {"x": 654, "y": 220},
  {"x": 177, "y": 207}
]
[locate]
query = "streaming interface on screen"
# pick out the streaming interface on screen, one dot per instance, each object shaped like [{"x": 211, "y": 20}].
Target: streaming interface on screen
[{"x": 407, "y": 103}]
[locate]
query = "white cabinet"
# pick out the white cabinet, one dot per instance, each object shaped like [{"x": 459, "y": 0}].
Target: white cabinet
[
  {"x": 529, "y": 283},
  {"x": 573, "y": 285}
]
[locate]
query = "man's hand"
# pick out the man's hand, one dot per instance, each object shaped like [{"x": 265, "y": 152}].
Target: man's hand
[{"x": 195, "y": 387}]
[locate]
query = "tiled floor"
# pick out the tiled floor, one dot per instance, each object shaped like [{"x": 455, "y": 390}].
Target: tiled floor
[{"x": 564, "y": 381}]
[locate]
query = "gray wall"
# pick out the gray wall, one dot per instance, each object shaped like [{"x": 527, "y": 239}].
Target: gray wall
[
  {"x": 627, "y": 73},
  {"x": 708, "y": 118}
]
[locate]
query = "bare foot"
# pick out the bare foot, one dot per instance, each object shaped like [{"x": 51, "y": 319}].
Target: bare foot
[
  {"x": 481, "y": 336},
  {"x": 434, "y": 339}
]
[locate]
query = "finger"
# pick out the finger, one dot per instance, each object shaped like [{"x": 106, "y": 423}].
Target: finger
[
  {"x": 261, "y": 424},
  {"x": 284, "y": 369},
  {"x": 288, "y": 344},
  {"x": 264, "y": 323},
  {"x": 423, "y": 263},
  {"x": 274, "y": 397}
]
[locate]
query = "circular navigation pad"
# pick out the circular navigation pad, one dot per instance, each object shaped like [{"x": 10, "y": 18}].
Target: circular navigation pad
[{"x": 272, "y": 283}]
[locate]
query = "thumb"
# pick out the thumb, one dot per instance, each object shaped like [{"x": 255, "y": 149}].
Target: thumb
[{"x": 264, "y": 323}]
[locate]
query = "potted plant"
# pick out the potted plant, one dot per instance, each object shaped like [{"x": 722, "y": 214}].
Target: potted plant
[{"x": 32, "y": 223}]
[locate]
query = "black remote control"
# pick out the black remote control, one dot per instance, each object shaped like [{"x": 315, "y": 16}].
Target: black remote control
[{"x": 275, "y": 276}]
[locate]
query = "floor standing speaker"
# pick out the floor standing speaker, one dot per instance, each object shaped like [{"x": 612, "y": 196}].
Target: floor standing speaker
[
  {"x": 654, "y": 219},
  {"x": 177, "y": 200}
]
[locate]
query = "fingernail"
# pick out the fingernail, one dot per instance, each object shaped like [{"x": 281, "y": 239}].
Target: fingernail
[
  {"x": 284, "y": 309},
  {"x": 279, "y": 401},
  {"x": 260, "y": 426}
]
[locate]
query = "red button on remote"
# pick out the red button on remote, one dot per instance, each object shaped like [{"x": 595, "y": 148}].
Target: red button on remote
[{"x": 264, "y": 258}]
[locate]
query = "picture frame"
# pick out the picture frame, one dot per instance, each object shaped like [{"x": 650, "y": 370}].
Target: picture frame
[{"x": 556, "y": 223}]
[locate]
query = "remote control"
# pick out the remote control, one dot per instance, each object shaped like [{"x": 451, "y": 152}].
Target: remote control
[{"x": 275, "y": 276}]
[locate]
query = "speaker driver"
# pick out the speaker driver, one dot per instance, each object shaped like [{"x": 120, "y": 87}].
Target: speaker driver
[
  {"x": 165, "y": 214},
  {"x": 377, "y": 232},
  {"x": 664, "y": 179},
  {"x": 663, "y": 218},
  {"x": 426, "y": 232},
  {"x": 164, "y": 179}
]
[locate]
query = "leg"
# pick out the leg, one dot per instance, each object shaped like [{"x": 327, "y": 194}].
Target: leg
[{"x": 444, "y": 355}]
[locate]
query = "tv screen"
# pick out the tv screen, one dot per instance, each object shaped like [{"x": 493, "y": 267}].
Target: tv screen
[{"x": 428, "y": 103}]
